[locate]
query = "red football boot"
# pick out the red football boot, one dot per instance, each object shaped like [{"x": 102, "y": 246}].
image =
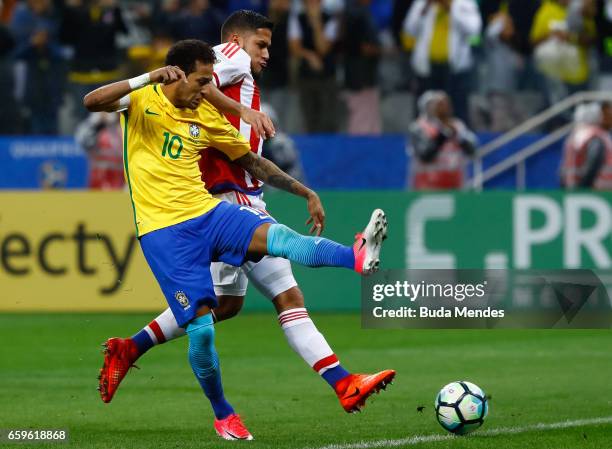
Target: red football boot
[
  {"x": 119, "y": 356},
  {"x": 368, "y": 243},
  {"x": 354, "y": 389},
  {"x": 232, "y": 428}
]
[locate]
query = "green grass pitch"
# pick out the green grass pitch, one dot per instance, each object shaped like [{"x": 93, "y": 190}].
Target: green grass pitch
[{"x": 49, "y": 365}]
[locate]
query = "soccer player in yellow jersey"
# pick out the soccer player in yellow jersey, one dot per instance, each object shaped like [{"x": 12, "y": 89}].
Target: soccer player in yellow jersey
[{"x": 182, "y": 228}]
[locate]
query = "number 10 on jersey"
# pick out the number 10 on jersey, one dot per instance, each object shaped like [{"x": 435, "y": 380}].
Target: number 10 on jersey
[{"x": 170, "y": 144}]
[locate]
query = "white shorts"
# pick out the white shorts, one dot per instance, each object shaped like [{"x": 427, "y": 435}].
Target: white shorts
[{"x": 271, "y": 275}]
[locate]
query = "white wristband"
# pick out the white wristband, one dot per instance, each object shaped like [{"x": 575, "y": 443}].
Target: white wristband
[{"x": 139, "y": 81}]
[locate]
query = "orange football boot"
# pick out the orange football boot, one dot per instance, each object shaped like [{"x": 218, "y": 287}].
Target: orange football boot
[
  {"x": 119, "y": 356},
  {"x": 354, "y": 389}
]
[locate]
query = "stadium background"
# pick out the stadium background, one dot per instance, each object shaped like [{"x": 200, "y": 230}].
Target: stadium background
[
  {"x": 354, "y": 172},
  {"x": 61, "y": 254},
  {"x": 69, "y": 262}
]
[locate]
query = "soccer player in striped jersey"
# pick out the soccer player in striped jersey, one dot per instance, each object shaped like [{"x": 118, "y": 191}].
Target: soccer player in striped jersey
[
  {"x": 182, "y": 229},
  {"x": 240, "y": 61}
]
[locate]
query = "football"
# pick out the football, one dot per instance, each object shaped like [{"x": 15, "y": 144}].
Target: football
[{"x": 461, "y": 407}]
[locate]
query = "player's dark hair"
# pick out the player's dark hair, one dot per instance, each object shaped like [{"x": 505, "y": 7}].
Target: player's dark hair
[
  {"x": 185, "y": 53},
  {"x": 244, "y": 20}
]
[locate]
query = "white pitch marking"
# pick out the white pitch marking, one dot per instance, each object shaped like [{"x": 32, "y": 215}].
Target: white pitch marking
[{"x": 410, "y": 441}]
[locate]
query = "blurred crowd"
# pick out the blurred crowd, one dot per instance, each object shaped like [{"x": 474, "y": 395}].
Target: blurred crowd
[{"x": 356, "y": 66}]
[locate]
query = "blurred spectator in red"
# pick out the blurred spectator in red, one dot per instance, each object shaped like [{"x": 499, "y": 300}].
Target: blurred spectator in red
[
  {"x": 442, "y": 56},
  {"x": 587, "y": 154},
  {"x": 100, "y": 136},
  {"x": 563, "y": 32},
  {"x": 440, "y": 145},
  {"x": 199, "y": 20},
  {"x": 312, "y": 40},
  {"x": 362, "y": 51},
  {"x": 7, "y": 7},
  {"x": 275, "y": 79},
  {"x": 91, "y": 28},
  {"x": 35, "y": 27}
]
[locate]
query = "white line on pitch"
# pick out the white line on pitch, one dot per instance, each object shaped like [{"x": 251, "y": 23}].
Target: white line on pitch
[{"x": 492, "y": 432}]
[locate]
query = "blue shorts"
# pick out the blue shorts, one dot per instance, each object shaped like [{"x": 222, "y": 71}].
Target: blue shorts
[{"x": 180, "y": 255}]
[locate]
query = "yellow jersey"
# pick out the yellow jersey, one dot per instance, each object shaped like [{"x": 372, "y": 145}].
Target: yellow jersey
[
  {"x": 161, "y": 149},
  {"x": 552, "y": 13},
  {"x": 439, "y": 48}
]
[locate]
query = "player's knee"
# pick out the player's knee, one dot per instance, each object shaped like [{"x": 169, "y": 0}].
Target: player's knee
[
  {"x": 228, "y": 308},
  {"x": 201, "y": 332},
  {"x": 202, "y": 351},
  {"x": 233, "y": 310},
  {"x": 227, "y": 312},
  {"x": 289, "y": 299}
]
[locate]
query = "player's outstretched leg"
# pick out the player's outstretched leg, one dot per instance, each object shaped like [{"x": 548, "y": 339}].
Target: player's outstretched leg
[
  {"x": 120, "y": 354},
  {"x": 205, "y": 364},
  {"x": 363, "y": 257},
  {"x": 305, "y": 339}
]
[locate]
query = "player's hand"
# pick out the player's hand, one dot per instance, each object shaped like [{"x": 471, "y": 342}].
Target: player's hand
[
  {"x": 317, "y": 214},
  {"x": 167, "y": 75},
  {"x": 260, "y": 122}
]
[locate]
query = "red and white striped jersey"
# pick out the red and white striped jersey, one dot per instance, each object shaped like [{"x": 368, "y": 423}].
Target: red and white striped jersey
[{"x": 232, "y": 75}]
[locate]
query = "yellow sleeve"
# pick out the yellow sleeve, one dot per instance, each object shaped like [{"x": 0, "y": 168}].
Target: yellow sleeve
[
  {"x": 232, "y": 143},
  {"x": 540, "y": 27},
  {"x": 227, "y": 139},
  {"x": 135, "y": 97},
  {"x": 138, "y": 99}
]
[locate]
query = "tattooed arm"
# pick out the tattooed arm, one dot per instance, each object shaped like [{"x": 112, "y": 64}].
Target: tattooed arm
[{"x": 268, "y": 172}]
